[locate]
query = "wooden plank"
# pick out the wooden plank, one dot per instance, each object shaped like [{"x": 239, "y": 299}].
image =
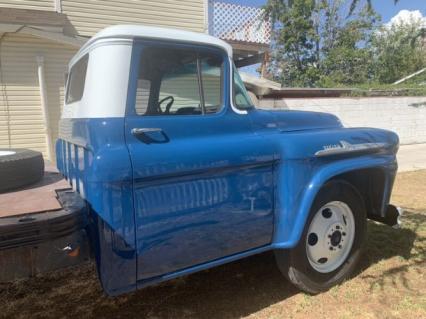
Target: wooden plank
[
  {"x": 256, "y": 58},
  {"x": 245, "y": 47}
]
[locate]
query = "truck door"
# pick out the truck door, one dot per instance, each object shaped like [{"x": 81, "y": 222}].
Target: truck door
[{"x": 202, "y": 184}]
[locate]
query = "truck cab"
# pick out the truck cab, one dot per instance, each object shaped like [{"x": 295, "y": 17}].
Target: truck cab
[{"x": 180, "y": 172}]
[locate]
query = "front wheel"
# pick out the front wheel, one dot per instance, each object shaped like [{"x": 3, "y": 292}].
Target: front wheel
[{"x": 331, "y": 242}]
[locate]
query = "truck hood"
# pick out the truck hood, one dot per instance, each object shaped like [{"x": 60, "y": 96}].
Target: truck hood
[{"x": 289, "y": 121}]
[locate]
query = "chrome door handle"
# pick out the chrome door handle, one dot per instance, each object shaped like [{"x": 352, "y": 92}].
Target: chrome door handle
[
  {"x": 144, "y": 135},
  {"x": 137, "y": 131}
]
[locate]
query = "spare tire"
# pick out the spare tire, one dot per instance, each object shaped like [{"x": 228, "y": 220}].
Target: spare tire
[{"x": 19, "y": 167}]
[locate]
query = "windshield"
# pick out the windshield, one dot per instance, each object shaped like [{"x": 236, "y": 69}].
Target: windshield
[{"x": 241, "y": 98}]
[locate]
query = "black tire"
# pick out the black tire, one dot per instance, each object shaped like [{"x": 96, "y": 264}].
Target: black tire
[
  {"x": 294, "y": 263},
  {"x": 21, "y": 168}
]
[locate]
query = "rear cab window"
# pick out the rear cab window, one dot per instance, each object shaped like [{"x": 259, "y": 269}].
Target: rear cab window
[{"x": 76, "y": 80}]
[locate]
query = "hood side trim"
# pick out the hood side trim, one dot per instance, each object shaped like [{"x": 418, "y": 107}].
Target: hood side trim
[{"x": 345, "y": 147}]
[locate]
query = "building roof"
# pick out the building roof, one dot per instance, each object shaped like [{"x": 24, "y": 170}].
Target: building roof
[
  {"x": 39, "y": 18},
  {"x": 158, "y": 33}
]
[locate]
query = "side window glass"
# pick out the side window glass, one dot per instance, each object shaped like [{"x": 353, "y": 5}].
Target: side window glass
[
  {"x": 241, "y": 98},
  {"x": 179, "y": 90},
  {"x": 211, "y": 75},
  {"x": 142, "y": 96},
  {"x": 76, "y": 80},
  {"x": 178, "y": 82}
]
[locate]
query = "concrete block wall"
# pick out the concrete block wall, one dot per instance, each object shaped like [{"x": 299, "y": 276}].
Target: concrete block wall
[{"x": 404, "y": 115}]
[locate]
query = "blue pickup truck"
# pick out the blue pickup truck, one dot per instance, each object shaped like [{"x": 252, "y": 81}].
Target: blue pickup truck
[{"x": 179, "y": 172}]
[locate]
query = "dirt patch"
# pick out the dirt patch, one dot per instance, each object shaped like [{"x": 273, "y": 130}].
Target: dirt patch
[
  {"x": 390, "y": 283},
  {"x": 410, "y": 190}
]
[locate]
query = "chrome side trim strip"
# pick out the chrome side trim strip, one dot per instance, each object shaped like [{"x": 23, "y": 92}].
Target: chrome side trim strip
[{"x": 345, "y": 147}]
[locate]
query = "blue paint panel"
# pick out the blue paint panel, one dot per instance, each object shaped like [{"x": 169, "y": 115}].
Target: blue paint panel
[
  {"x": 93, "y": 156},
  {"x": 300, "y": 175},
  {"x": 294, "y": 202},
  {"x": 204, "y": 266},
  {"x": 188, "y": 222},
  {"x": 273, "y": 121},
  {"x": 206, "y": 193}
]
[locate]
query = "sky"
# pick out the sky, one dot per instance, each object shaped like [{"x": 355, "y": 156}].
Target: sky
[{"x": 385, "y": 8}]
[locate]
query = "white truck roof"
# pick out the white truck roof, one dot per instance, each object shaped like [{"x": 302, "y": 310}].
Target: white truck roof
[{"x": 140, "y": 31}]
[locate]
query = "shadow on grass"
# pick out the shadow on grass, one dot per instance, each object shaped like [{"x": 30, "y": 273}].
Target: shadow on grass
[
  {"x": 234, "y": 290},
  {"x": 407, "y": 243},
  {"x": 229, "y": 291}
]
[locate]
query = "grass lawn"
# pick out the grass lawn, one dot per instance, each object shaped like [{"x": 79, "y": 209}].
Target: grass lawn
[{"x": 390, "y": 283}]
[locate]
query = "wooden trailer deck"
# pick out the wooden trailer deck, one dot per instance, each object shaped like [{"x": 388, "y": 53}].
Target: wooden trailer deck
[{"x": 35, "y": 198}]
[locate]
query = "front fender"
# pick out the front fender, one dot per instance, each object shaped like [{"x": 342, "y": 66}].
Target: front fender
[{"x": 298, "y": 182}]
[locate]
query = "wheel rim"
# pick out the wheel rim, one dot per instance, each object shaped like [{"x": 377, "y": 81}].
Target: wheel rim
[
  {"x": 330, "y": 236},
  {"x": 6, "y": 153}
]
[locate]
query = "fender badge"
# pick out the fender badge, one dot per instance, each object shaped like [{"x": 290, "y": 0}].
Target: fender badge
[{"x": 346, "y": 147}]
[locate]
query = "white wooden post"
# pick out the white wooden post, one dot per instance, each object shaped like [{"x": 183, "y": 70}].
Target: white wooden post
[
  {"x": 44, "y": 105},
  {"x": 57, "y": 5}
]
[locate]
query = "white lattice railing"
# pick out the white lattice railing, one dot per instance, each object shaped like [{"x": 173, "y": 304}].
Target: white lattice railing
[{"x": 238, "y": 23}]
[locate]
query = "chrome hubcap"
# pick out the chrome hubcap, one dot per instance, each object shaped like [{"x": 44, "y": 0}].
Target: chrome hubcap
[{"x": 330, "y": 236}]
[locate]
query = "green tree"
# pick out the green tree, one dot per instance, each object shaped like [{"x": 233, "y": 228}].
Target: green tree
[
  {"x": 398, "y": 51},
  {"x": 316, "y": 44},
  {"x": 294, "y": 61},
  {"x": 348, "y": 59}
]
